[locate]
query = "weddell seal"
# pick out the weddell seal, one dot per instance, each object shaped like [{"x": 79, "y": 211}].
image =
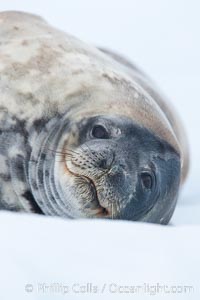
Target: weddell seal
[{"x": 83, "y": 133}]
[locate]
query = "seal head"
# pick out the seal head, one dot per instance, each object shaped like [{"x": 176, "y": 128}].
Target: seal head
[
  {"x": 105, "y": 166},
  {"x": 122, "y": 171}
]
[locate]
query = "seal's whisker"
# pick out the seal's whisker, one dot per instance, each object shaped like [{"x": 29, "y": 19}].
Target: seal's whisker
[
  {"x": 58, "y": 154},
  {"x": 91, "y": 162},
  {"x": 62, "y": 160},
  {"x": 90, "y": 151},
  {"x": 61, "y": 153},
  {"x": 73, "y": 151},
  {"x": 118, "y": 209},
  {"x": 112, "y": 209},
  {"x": 55, "y": 151}
]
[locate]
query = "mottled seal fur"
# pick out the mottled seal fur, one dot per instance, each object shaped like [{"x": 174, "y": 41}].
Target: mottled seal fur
[{"x": 83, "y": 133}]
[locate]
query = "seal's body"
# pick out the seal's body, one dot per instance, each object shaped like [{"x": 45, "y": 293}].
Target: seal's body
[{"x": 82, "y": 131}]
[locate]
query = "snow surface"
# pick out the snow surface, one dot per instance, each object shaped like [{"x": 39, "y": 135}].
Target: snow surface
[{"x": 52, "y": 258}]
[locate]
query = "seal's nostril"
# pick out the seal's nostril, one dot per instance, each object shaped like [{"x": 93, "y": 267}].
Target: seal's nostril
[
  {"x": 103, "y": 164},
  {"x": 106, "y": 161}
]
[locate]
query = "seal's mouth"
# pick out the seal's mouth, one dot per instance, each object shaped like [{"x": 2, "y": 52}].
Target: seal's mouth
[
  {"x": 103, "y": 212},
  {"x": 100, "y": 211}
]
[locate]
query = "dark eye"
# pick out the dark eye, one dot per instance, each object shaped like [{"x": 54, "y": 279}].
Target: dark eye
[
  {"x": 146, "y": 180},
  {"x": 99, "y": 132}
]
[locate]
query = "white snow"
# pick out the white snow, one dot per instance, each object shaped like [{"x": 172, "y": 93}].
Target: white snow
[{"x": 52, "y": 258}]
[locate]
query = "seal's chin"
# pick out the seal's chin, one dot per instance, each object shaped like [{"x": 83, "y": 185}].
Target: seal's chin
[
  {"x": 96, "y": 210},
  {"x": 102, "y": 212}
]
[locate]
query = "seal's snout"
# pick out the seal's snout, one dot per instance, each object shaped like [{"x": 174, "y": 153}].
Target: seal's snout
[
  {"x": 91, "y": 161},
  {"x": 104, "y": 159},
  {"x": 104, "y": 164}
]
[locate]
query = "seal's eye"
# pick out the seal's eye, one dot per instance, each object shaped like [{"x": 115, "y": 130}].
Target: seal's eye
[
  {"x": 99, "y": 132},
  {"x": 146, "y": 180}
]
